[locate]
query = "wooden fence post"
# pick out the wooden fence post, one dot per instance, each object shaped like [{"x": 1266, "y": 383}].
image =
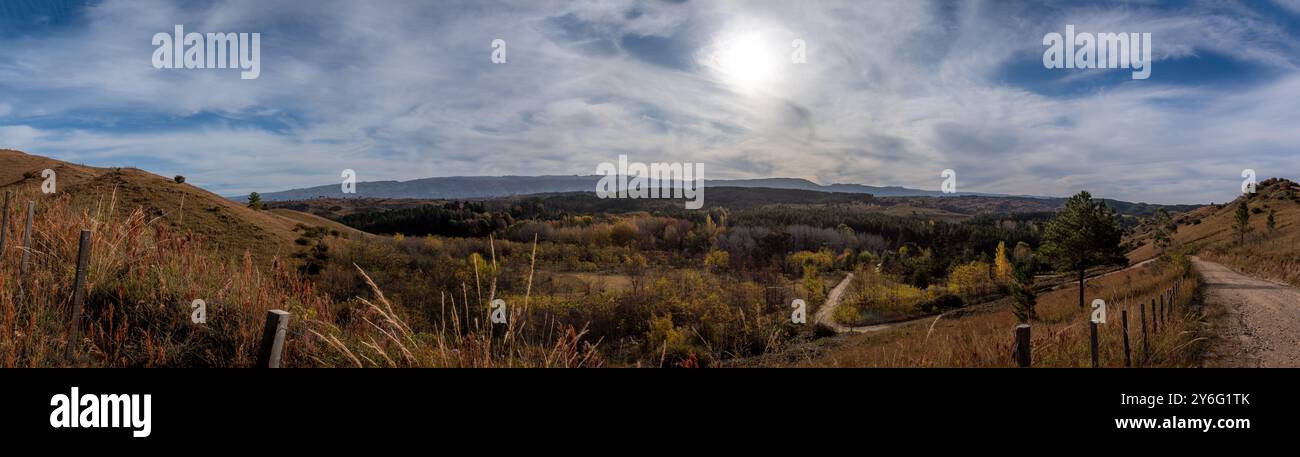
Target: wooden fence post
[
  {"x": 1162, "y": 310},
  {"x": 774, "y": 297},
  {"x": 1093, "y": 326},
  {"x": 1128, "y": 360},
  {"x": 79, "y": 291},
  {"x": 4, "y": 223},
  {"x": 1155, "y": 318},
  {"x": 1142, "y": 314},
  {"x": 277, "y": 324},
  {"x": 27, "y": 238},
  {"x": 1022, "y": 346}
]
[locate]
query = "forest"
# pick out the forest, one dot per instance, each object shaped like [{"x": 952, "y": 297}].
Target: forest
[{"x": 659, "y": 285}]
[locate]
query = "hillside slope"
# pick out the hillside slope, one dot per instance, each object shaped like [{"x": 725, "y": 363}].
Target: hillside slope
[
  {"x": 1271, "y": 255},
  {"x": 231, "y": 227}
]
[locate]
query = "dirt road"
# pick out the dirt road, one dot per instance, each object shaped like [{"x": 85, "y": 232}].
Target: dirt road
[
  {"x": 826, "y": 314},
  {"x": 1263, "y": 324}
]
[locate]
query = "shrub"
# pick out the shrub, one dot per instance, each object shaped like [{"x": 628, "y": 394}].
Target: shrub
[
  {"x": 971, "y": 280},
  {"x": 942, "y": 303},
  {"x": 718, "y": 260},
  {"x": 1022, "y": 290},
  {"x": 179, "y": 179},
  {"x": 818, "y": 261}
]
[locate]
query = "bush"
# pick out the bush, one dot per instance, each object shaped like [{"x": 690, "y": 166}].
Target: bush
[
  {"x": 179, "y": 179},
  {"x": 972, "y": 280},
  {"x": 849, "y": 315},
  {"x": 942, "y": 303},
  {"x": 821, "y": 330},
  {"x": 718, "y": 260}
]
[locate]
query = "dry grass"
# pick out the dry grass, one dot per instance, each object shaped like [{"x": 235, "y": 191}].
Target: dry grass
[
  {"x": 1060, "y": 337},
  {"x": 228, "y": 227},
  {"x": 1271, "y": 255},
  {"x": 143, "y": 276}
]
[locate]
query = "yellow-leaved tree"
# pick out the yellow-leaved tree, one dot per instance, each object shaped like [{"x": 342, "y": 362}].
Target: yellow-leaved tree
[
  {"x": 1001, "y": 264},
  {"x": 971, "y": 281}
]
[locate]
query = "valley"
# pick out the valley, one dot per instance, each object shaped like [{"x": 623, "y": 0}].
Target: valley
[{"x": 889, "y": 281}]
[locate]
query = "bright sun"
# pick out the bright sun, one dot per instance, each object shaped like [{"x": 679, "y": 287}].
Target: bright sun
[{"x": 745, "y": 61}]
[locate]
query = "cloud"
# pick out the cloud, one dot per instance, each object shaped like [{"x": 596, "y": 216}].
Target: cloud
[{"x": 891, "y": 94}]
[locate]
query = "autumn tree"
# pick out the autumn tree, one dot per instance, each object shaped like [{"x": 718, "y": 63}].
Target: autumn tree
[
  {"x": 717, "y": 259},
  {"x": 1085, "y": 234},
  {"x": 624, "y": 233},
  {"x": 812, "y": 282},
  {"x": 1242, "y": 223},
  {"x": 970, "y": 280},
  {"x": 1001, "y": 264},
  {"x": 1023, "y": 253}
]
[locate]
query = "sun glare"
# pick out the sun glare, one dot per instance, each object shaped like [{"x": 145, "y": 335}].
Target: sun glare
[{"x": 746, "y": 62}]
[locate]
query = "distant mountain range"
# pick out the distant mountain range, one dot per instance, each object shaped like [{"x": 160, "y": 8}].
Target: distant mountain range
[{"x": 465, "y": 187}]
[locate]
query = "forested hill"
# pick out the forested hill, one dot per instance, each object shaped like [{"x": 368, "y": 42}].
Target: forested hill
[{"x": 463, "y": 187}]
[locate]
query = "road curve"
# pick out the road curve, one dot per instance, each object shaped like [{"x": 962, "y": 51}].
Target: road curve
[{"x": 826, "y": 314}]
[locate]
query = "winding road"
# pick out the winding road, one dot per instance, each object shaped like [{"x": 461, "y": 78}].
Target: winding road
[
  {"x": 826, "y": 314},
  {"x": 1263, "y": 324},
  {"x": 1262, "y": 328}
]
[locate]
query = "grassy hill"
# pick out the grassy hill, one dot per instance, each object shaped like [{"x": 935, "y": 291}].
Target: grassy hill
[
  {"x": 109, "y": 193},
  {"x": 1209, "y": 232},
  {"x": 1272, "y": 255}
]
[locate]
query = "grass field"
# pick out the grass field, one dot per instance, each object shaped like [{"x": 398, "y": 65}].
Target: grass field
[{"x": 1060, "y": 336}]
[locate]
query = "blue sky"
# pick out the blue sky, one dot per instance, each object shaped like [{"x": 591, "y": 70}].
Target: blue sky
[{"x": 891, "y": 93}]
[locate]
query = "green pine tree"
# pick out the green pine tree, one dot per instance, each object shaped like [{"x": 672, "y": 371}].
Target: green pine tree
[
  {"x": 1163, "y": 229},
  {"x": 1085, "y": 234},
  {"x": 1022, "y": 290},
  {"x": 1242, "y": 224}
]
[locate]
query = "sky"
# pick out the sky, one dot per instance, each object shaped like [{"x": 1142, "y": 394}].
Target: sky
[{"x": 888, "y": 92}]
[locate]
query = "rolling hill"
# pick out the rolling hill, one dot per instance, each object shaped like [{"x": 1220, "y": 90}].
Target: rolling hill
[
  {"x": 1209, "y": 232},
  {"x": 948, "y": 208},
  {"x": 470, "y": 187},
  {"x": 231, "y": 227}
]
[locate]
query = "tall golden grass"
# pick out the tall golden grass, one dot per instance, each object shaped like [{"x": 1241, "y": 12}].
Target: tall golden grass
[
  {"x": 1267, "y": 254},
  {"x": 142, "y": 279}
]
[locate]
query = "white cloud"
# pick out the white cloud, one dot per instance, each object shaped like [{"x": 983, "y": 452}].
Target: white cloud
[{"x": 892, "y": 93}]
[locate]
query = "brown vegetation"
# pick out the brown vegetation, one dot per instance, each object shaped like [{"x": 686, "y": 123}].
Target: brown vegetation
[{"x": 1060, "y": 334}]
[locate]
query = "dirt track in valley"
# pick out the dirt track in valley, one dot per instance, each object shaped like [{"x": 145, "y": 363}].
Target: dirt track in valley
[{"x": 825, "y": 315}]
